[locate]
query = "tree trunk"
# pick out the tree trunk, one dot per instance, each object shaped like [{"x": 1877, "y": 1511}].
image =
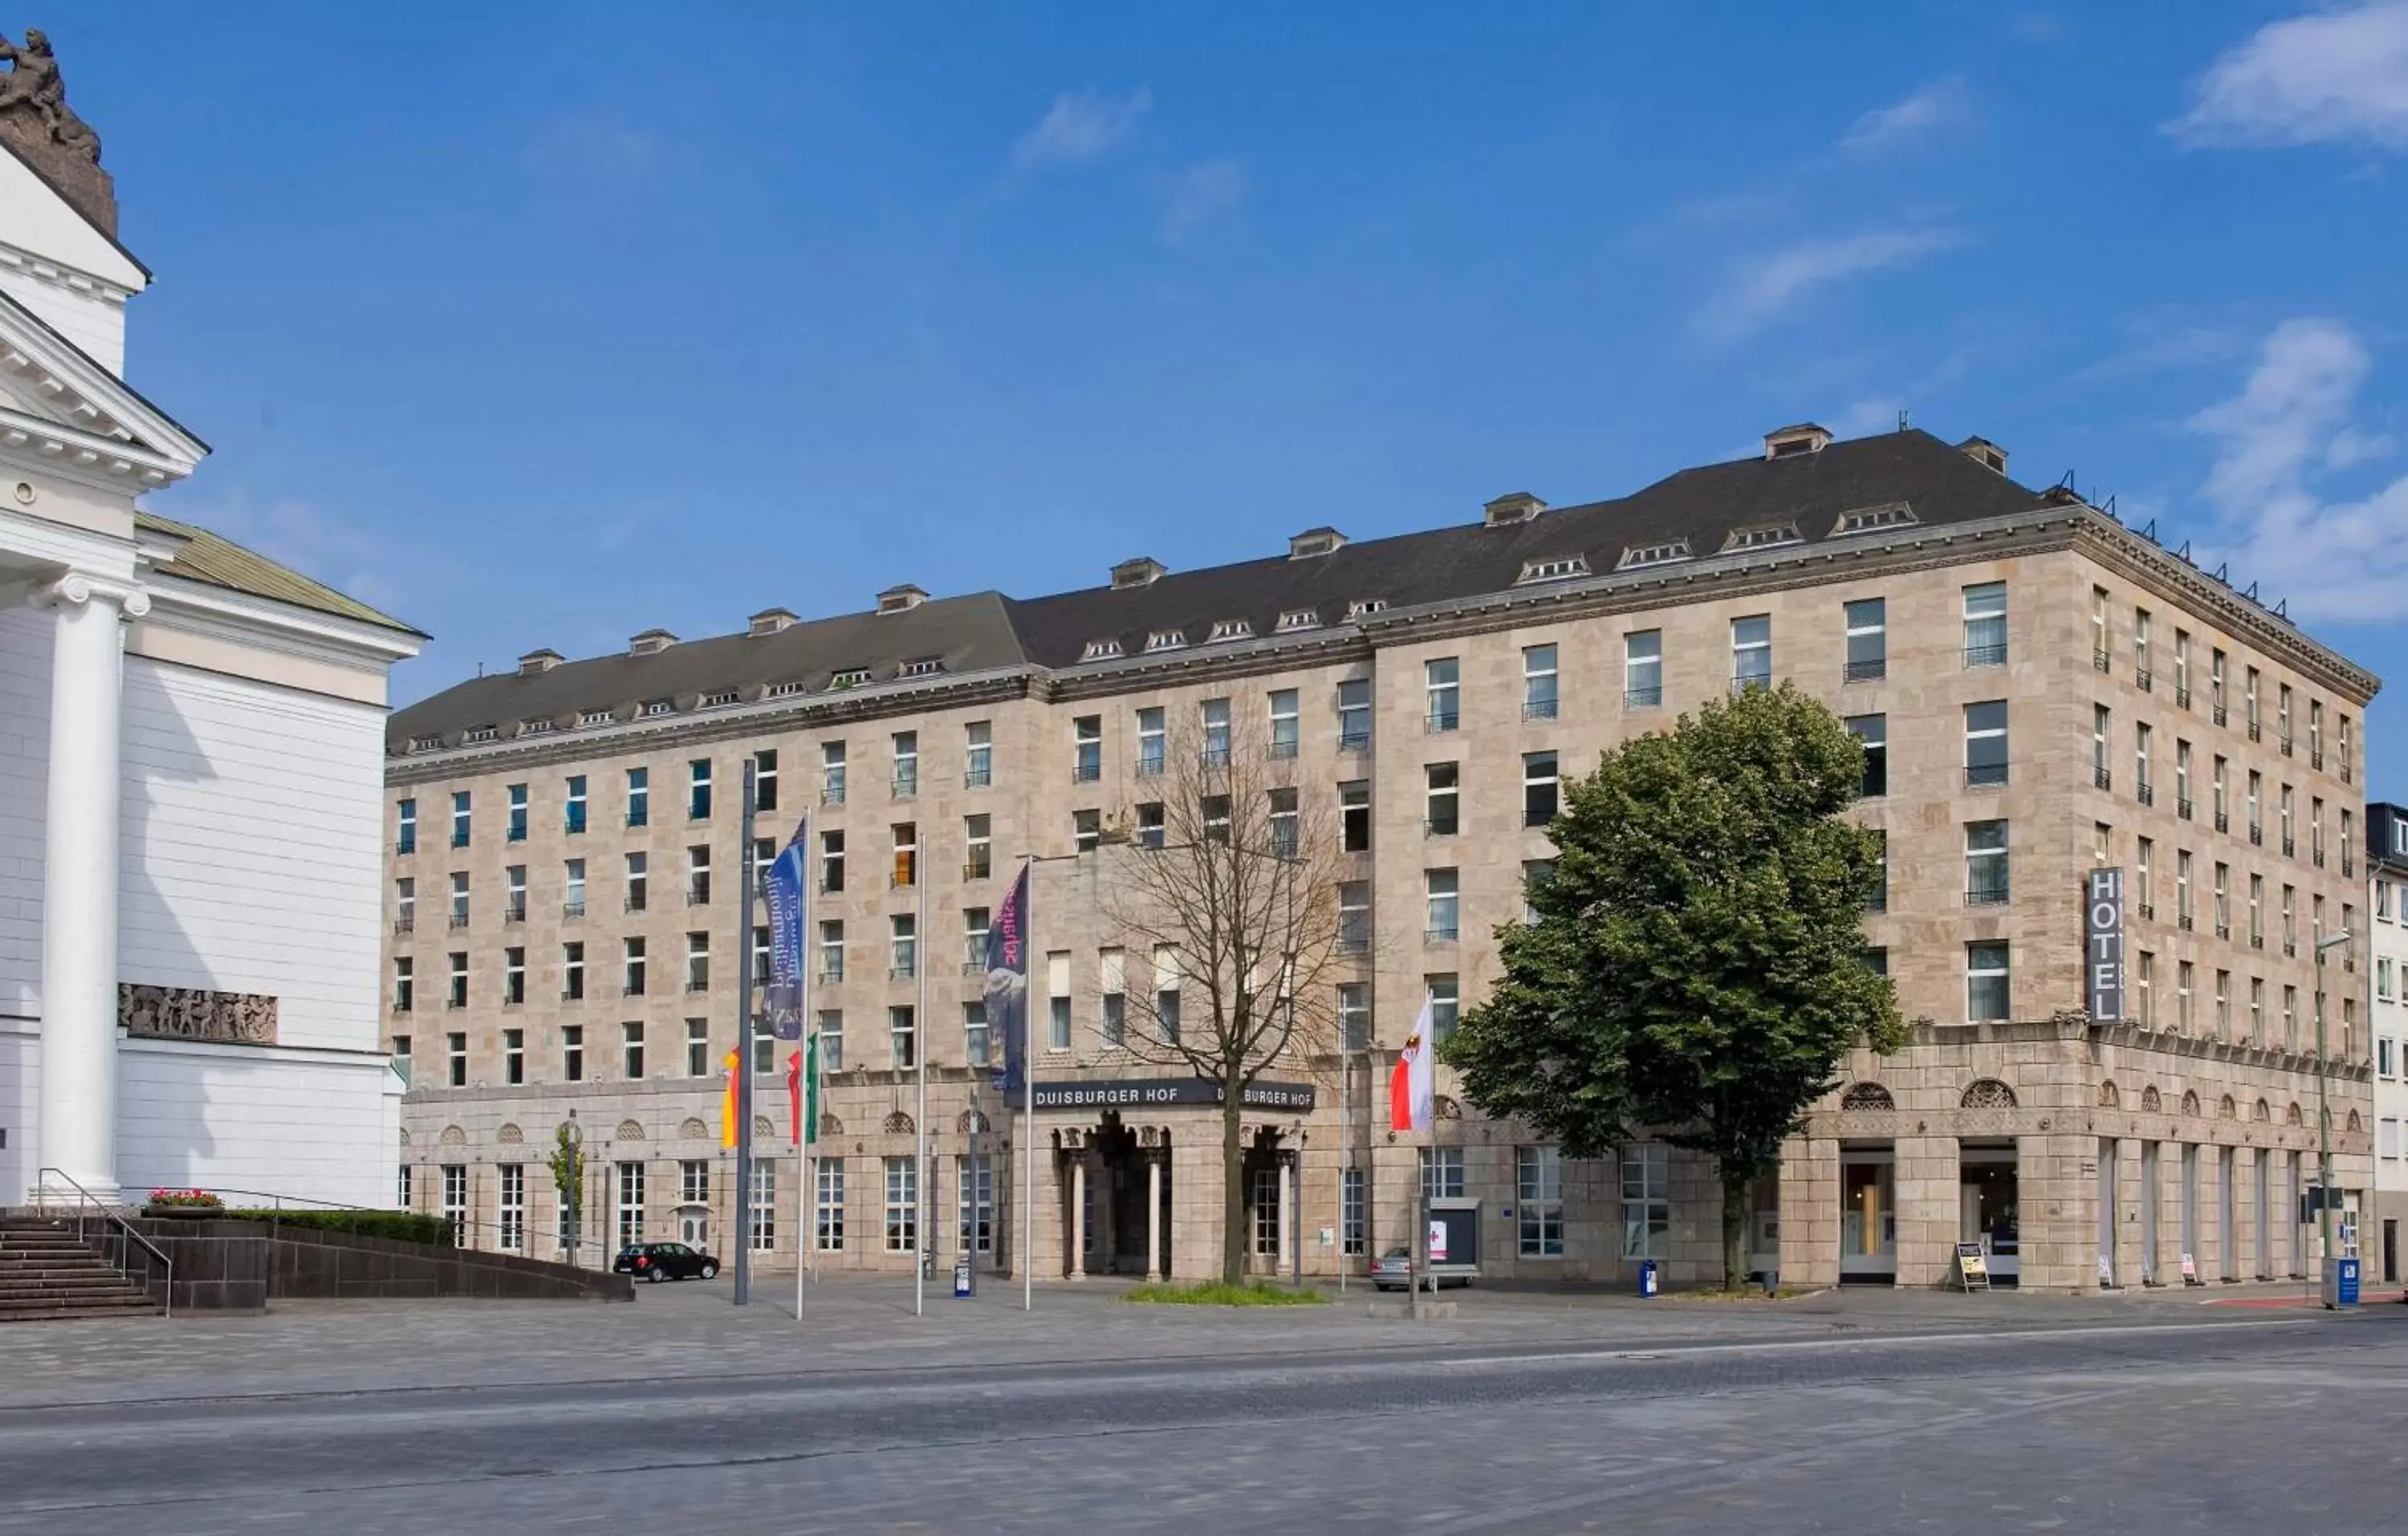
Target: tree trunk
[
  {"x": 1738, "y": 1205},
  {"x": 1233, "y": 1189}
]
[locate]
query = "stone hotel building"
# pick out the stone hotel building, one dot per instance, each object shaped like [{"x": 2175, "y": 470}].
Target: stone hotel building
[{"x": 2042, "y": 692}]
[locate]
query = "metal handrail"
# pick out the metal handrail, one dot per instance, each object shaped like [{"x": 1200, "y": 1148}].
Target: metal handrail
[{"x": 86, "y": 1199}]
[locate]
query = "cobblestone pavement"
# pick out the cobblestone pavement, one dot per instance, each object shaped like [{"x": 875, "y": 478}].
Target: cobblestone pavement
[{"x": 1523, "y": 1413}]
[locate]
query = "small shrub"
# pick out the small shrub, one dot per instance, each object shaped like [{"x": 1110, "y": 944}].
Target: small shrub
[
  {"x": 1216, "y": 1293},
  {"x": 399, "y": 1225}
]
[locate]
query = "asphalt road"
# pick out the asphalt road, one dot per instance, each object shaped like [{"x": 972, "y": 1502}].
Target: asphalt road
[{"x": 2290, "y": 1423}]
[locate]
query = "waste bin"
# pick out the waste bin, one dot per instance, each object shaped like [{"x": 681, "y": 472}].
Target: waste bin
[{"x": 1648, "y": 1284}]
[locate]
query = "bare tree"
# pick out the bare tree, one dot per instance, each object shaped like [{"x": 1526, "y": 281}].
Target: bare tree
[{"x": 1229, "y": 899}]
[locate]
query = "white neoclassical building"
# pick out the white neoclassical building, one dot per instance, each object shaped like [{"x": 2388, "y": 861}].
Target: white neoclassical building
[{"x": 191, "y": 764}]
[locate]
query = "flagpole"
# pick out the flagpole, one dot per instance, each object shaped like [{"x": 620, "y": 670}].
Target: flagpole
[
  {"x": 806, "y": 1136},
  {"x": 743, "y": 1296},
  {"x": 920, "y": 1180},
  {"x": 1028, "y": 1091}
]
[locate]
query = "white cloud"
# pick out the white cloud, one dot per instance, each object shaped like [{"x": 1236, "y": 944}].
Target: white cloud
[
  {"x": 1767, "y": 286},
  {"x": 1934, "y": 109},
  {"x": 1080, "y": 126},
  {"x": 1202, "y": 194},
  {"x": 2332, "y": 77},
  {"x": 2334, "y": 559}
]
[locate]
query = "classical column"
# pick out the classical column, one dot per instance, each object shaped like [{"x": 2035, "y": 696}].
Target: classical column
[
  {"x": 1287, "y": 1254},
  {"x": 78, "y": 1093},
  {"x": 1079, "y": 1216},
  {"x": 1154, "y": 1215}
]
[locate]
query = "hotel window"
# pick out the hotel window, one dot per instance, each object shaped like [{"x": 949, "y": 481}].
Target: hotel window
[
  {"x": 2182, "y": 669},
  {"x": 2348, "y": 762},
  {"x": 1353, "y": 1221},
  {"x": 2220, "y": 794},
  {"x": 1215, "y": 715},
  {"x": 978, "y": 843},
  {"x": 639, "y": 796},
  {"x": 2182, "y": 779},
  {"x": 2283, "y": 717},
  {"x": 1151, "y": 742},
  {"x": 2249, "y": 702},
  {"x": 1539, "y": 1185},
  {"x": 2388, "y": 1144},
  {"x": 459, "y": 900},
  {"x": 458, "y": 996},
  {"x": 1355, "y": 917},
  {"x": 1216, "y": 808},
  {"x": 978, "y": 747},
  {"x": 405, "y": 830},
  {"x": 514, "y": 888},
  {"x": 2186, "y": 977},
  {"x": 2382, "y": 978},
  {"x": 1355, "y": 816},
  {"x": 1445, "y": 999},
  {"x": 2383, "y": 1058},
  {"x": 694, "y": 1181},
  {"x": 1750, "y": 653},
  {"x": 1284, "y": 819},
  {"x": 1867, "y": 640},
  {"x": 1443, "y": 1173},
  {"x": 1354, "y": 715},
  {"x": 903, "y": 942},
  {"x": 1536, "y": 872},
  {"x": 1539, "y": 788},
  {"x": 633, "y": 960},
  {"x": 975, "y": 1179},
  {"x": 698, "y": 806},
  {"x": 1086, "y": 831},
  {"x": 975, "y": 1040},
  {"x": 631, "y": 1203},
  {"x": 510, "y": 1208},
  {"x": 761, "y": 1218},
  {"x": 1985, "y": 864},
  {"x": 2289, "y": 807},
  {"x": 697, "y": 962},
  {"x": 832, "y": 773},
  {"x": 831, "y": 950},
  {"x": 2145, "y": 877},
  {"x": 906, "y": 871},
  {"x": 2147, "y": 976},
  {"x": 455, "y": 1202},
  {"x": 1166, "y": 993},
  {"x": 827, "y": 1212},
  {"x": 2141, "y": 788},
  {"x": 2316, "y": 830},
  {"x": 2257, "y": 911},
  {"x": 1440, "y": 889},
  {"x": 516, "y": 823},
  {"x": 2223, "y": 889},
  {"x": 764, "y": 778},
  {"x": 1057, "y": 1001},
  {"x": 902, "y": 1206},
  {"x": 1539, "y": 680},
  {"x": 1878, "y": 901},
  {"x": 1988, "y": 996},
  {"x": 2223, "y": 1005},
  {"x": 831, "y": 861},
  {"x": 1642, "y": 670},
  {"x": 905, "y": 746},
  {"x": 902, "y": 1037},
  {"x": 1267, "y": 1206},
  {"x": 514, "y": 1057},
  {"x": 631, "y": 1051},
  {"x": 1149, "y": 825},
  {"x": 455, "y": 1060},
  {"x": 404, "y": 983},
  {"x": 698, "y": 1048},
  {"x": 2290, "y": 921},
  {"x": 1873, "y": 732},
  {"x": 2257, "y": 824},
  {"x": 2215, "y": 684},
  {"x": 697, "y": 875},
  {"x": 2100, "y": 657},
  {"x": 1285, "y": 724},
  {"x": 2182, "y": 890},
  {"x": 572, "y": 970},
  {"x": 1441, "y": 685},
  {"x": 573, "y": 806},
  {"x": 1353, "y": 1016},
  {"x": 1441, "y": 799},
  {"x": 1086, "y": 748},
  {"x": 404, "y": 1192},
  {"x": 2103, "y": 727},
  {"x": 831, "y": 1040},
  {"x": 1111, "y": 972},
  {"x": 573, "y": 1053},
  {"x": 1986, "y": 742},
  {"x": 1646, "y": 1200},
  {"x": 2290, "y": 1018},
  {"x": 2140, "y": 670},
  {"x": 514, "y": 975}
]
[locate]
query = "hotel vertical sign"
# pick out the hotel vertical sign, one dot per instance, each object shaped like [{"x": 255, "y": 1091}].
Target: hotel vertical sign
[{"x": 2102, "y": 931}]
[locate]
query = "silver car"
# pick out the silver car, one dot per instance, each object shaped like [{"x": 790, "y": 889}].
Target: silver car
[{"x": 1394, "y": 1272}]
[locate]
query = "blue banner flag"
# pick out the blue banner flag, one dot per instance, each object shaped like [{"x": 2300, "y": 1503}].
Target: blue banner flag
[
  {"x": 783, "y": 889},
  {"x": 1007, "y": 985}
]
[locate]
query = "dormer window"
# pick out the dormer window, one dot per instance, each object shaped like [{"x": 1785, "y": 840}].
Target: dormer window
[
  {"x": 927, "y": 667},
  {"x": 717, "y": 697},
  {"x": 1362, "y": 606},
  {"x": 1299, "y": 618},
  {"x": 1654, "y": 555},
  {"x": 1166, "y": 640},
  {"x": 1233, "y": 629},
  {"x": 656, "y": 707},
  {"x": 1763, "y": 536},
  {"x": 1554, "y": 570},
  {"x": 534, "y": 728},
  {"x": 1790, "y": 442},
  {"x": 1894, "y": 514},
  {"x": 852, "y": 677},
  {"x": 424, "y": 743},
  {"x": 1100, "y": 651},
  {"x": 1314, "y": 543},
  {"x": 479, "y": 735},
  {"x": 594, "y": 717},
  {"x": 781, "y": 690}
]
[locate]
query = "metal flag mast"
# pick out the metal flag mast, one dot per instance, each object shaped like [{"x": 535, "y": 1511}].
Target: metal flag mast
[
  {"x": 1028, "y": 1102},
  {"x": 740, "y": 1086},
  {"x": 921, "y": 1183}
]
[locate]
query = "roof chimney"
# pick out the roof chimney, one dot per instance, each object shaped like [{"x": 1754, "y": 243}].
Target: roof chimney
[
  {"x": 769, "y": 621},
  {"x": 1315, "y": 542},
  {"x": 1512, "y": 508},
  {"x": 651, "y": 643},
  {"x": 1983, "y": 452},
  {"x": 1143, "y": 571},
  {"x": 534, "y": 663},
  {"x": 1790, "y": 442},
  {"x": 900, "y": 598}
]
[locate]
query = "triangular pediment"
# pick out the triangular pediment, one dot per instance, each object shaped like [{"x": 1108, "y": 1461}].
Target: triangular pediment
[{"x": 61, "y": 409}]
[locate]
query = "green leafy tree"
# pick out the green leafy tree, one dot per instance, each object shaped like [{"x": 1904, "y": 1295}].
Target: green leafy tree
[
  {"x": 567, "y": 1165},
  {"x": 1697, "y": 966}
]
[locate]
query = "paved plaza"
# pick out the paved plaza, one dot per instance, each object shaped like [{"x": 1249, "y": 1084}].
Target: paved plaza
[{"x": 1522, "y": 1412}]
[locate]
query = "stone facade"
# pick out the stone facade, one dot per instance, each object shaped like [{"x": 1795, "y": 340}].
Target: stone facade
[{"x": 1982, "y": 1128}]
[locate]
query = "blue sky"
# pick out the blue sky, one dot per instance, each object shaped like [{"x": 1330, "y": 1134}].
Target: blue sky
[{"x": 541, "y": 325}]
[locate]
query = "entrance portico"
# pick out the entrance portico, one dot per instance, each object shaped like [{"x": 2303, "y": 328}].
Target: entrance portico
[{"x": 1116, "y": 1204}]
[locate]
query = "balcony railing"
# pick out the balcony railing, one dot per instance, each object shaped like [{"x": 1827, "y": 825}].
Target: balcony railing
[
  {"x": 632, "y": 989},
  {"x": 1354, "y": 741},
  {"x": 2102, "y": 778},
  {"x": 1986, "y": 896},
  {"x": 1642, "y": 698},
  {"x": 832, "y": 795},
  {"x": 698, "y": 896},
  {"x": 1868, "y": 671},
  {"x": 1281, "y": 751},
  {"x": 1439, "y": 721},
  {"x": 1439, "y": 936},
  {"x": 1986, "y": 655},
  {"x": 1985, "y": 775},
  {"x": 830, "y": 978},
  {"x": 2257, "y": 835},
  {"x": 2256, "y": 731},
  {"x": 2148, "y": 911},
  {"x": 2284, "y": 744},
  {"x": 2316, "y": 758},
  {"x": 2224, "y": 931},
  {"x": 901, "y": 972},
  {"x": 514, "y": 912},
  {"x": 632, "y": 902},
  {"x": 2289, "y": 848},
  {"x": 978, "y": 777},
  {"x": 2101, "y": 661},
  {"x": 1086, "y": 773},
  {"x": 1539, "y": 708},
  {"x": 404, "y": 925},
  {"x": 2144, "y": 679},
  {"x": 978, "y": 869},
  {"x": 2318, "y": 858},
  {"x": 2182, "y": 807},
  {"x": 573, "y": 993},
  {"x": 2183, "y": 921},
  {"x": 2223, "y": 821},
  {"x": 1440, "y": 826},
  {"x": 2145, "y": 794},
  {"x": 2217, "y": 713},
  {"x": 904, "y": 785},
  {"x": 1353, "y": 943},
  {"x": 2181, "y": 697},
  {"x": 693, "y": 986},
  {"x": 458, "y": 920}
]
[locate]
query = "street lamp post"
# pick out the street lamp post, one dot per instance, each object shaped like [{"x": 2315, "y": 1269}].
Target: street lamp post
[{"x": 2324, "y": 1130}]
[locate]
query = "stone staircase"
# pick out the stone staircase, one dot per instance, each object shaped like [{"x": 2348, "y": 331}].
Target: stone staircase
[{"x": 46, "y": 1272}]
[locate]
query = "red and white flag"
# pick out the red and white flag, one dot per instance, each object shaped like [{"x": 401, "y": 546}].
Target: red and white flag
[{"x": 1413, "y": 1087}]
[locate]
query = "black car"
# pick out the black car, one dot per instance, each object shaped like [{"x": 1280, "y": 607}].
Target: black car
[{"x": 658, "y": 1261}]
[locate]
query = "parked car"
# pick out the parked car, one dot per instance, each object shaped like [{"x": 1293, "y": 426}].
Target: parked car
[
  {"x": 658, "y": 1261},
  {"x": 1393, "y": 1271}
]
